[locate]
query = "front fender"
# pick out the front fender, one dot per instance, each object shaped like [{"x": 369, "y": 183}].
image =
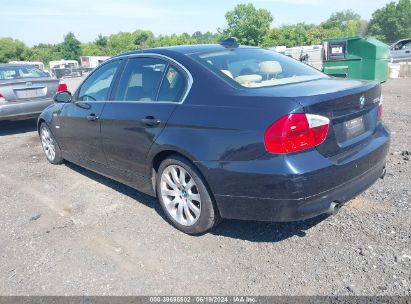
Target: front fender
[{"x": 49, "y": 116}]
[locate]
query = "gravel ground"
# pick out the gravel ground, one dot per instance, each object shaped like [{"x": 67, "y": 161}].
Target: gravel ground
[
  {"x": 67, "y": 231},
  {"x": 73, "y": 82}
]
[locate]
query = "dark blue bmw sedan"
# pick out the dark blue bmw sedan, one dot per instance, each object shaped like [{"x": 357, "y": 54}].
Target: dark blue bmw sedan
[{"x": 222, "y": 131}]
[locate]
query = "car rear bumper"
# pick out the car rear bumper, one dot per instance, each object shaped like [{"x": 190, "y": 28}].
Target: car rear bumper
[
  {"x": 26, "y": 109},
  {"x": 283, "y": 210},
  {"x": 296, "y": 186}
]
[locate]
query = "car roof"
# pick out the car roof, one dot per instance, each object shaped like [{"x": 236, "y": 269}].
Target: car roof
[
  {"x": 183, "y": 49},
  {"x": 14, "y": 65},
  {"x": 190, "y": 49},
  {"x": 401, "y": 40}
]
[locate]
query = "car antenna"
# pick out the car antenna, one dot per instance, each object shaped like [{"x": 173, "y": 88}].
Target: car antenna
[{"x": 229, "y": 43}]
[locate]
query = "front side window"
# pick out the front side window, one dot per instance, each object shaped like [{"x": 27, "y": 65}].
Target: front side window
[
  {"x": 255, "y": 68},
  {"x": 96, "y": 87},
  {"x": 406, "y": 46}
]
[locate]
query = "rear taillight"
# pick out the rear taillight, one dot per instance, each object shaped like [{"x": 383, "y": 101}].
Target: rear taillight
[
  {"x": 380, "y": 107},
  {"x": 62, "y": 86},
  {"x": 2, "y": 98},
  {"x": 296, "y": 132}
]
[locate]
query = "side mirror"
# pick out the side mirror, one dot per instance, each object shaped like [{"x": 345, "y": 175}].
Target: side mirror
[{"x": 63, "y": 97}]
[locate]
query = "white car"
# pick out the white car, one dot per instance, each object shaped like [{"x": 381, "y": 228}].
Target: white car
[{"x": 401, "y": 50}]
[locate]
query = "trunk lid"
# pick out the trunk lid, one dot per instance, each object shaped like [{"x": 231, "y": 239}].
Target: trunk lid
[
  {"x": 351, "y": 106},
  {"x": 28, "y": 89},
  {"x": 353, "y": 112}
]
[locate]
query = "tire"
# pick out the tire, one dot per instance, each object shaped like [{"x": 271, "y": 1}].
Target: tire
[
  {"x": 198, "y": 211},
  {"x": 50, "y": 147}
]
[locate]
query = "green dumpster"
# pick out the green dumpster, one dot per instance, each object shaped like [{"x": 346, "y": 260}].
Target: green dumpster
[{"x": 356, "y": 58}]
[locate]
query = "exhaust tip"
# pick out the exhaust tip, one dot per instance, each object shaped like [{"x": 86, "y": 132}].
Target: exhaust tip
[{"x": 334, "y": 208}]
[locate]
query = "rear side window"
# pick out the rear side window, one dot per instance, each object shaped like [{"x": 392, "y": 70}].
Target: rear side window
[
  {"x": 21, "y": 72},
  {"x": 151, "y": 79},
  {"x": 173, "y": 85},
  {"x": 96, "y": 87}
]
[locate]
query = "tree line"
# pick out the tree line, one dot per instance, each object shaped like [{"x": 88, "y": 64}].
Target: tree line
[{"x": 249, "y": 25}]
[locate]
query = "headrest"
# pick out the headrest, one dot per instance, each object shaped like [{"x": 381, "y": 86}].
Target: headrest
[
  {"x": 270, "y": 67},
  {"x": 228, "y": 73}
]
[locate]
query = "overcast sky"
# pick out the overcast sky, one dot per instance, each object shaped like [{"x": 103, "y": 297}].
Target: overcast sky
[{"x": 48, "y": 20}]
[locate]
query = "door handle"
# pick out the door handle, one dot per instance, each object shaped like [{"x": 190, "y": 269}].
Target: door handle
[
  {"x": 407, "y": 52},
  {"x": 92, "y": 117},
  {"x": 151, "y": 121}
]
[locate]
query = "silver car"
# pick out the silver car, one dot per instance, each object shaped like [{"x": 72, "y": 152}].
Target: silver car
[
  {"x": 401, "y": 50},
  {"x": 25, "y": 91}
]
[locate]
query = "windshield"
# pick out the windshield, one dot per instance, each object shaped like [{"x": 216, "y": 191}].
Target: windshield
[
  {"x": 19, "y": 72},
  {"x": 255, "y": 68}
]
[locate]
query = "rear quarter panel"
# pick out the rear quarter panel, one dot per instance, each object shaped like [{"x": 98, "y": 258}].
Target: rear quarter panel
[{"x": 222, "y": 127}]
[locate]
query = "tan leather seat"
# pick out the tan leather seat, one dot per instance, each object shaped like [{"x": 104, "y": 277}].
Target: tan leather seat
[
  {"x": 228, "y": 73},
  {"x": 247, "y": 79}
]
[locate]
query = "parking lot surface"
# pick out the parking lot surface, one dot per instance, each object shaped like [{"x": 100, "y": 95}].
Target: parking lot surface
[
  {"x": 67, "y": 231},
  {"x": 73, "y": 82}
]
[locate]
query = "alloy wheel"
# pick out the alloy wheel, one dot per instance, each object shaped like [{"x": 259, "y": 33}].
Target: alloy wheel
[
  {"x": 180, "y": 195},
  {"x": 48, "y": 144}
]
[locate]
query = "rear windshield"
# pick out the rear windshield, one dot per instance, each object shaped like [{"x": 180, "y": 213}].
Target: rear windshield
[
  {"x": 19, "y": 72},
  {"x": 255, "y": 68}
]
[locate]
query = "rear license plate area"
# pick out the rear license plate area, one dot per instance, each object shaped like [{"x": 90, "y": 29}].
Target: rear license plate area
[
  {"x": 30, "y": 93},
  {"x": 350, "y": 129},
  {"x": 354, "y": 127}
]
